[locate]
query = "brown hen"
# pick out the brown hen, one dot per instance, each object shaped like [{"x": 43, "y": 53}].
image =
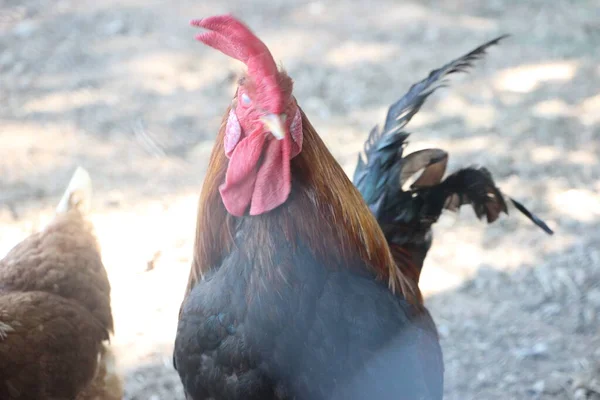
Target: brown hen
[{"x": 55, "y": 312}]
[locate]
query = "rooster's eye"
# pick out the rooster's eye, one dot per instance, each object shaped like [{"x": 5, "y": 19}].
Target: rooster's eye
[{"x": 245, "y": 99}]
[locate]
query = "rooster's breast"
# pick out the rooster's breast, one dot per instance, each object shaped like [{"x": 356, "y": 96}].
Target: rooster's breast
[{"x": 300, "y": 330}]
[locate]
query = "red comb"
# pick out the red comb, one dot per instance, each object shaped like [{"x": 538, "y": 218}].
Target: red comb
[{"x": 236, "y": 40}]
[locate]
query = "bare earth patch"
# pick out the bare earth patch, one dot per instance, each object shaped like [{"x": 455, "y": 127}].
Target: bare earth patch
[{"x": 122, "y": 89}]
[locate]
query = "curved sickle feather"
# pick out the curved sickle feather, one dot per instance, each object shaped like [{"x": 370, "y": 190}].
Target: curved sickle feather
[{"x": 432, "y": 161}]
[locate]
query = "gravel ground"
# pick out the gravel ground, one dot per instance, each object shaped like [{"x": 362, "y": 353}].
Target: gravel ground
[{"x": 122, "y": 89}]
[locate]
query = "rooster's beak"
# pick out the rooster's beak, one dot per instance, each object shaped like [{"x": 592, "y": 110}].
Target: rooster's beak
[{"x": 275, "y": 124}]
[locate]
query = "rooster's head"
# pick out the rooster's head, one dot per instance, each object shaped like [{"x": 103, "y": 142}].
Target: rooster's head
[{"x": 264, "y": 127}]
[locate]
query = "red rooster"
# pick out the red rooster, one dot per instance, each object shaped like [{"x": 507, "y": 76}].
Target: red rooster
[
  {"x": 293, "y": 291},
  {"x": 406, "y": 216}
]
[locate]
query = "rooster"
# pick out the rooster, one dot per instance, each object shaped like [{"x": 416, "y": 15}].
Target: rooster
[
  {"x": 406, "y": 216},
  {"x": 293, "y": 292},
  {"x": 55, "y": 314}
]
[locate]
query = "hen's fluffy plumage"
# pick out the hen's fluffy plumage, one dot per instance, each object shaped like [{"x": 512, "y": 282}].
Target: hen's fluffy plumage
[{"x": 55, "y": 313}]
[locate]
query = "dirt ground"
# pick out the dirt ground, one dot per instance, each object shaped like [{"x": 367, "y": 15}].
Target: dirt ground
[{"x": 121, "y": 88}]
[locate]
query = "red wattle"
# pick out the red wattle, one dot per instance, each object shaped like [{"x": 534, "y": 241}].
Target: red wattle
[{"x": 261, "y": 183}]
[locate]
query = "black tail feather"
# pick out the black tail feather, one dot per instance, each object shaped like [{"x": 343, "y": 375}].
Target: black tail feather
[
  {"x": 401, "y": 112},
  {"x": 384, "y": 148},
  {"x": 531, "y": 216},
  {"x": 474, "y": 186},
  {"x": 406, "y": 216}
]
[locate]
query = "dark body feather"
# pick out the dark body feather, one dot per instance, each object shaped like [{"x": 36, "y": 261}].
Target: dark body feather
[{"x": 274, "y": 322}]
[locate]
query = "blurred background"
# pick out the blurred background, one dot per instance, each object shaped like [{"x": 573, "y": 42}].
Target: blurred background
[{"x": 121, "y": 88}]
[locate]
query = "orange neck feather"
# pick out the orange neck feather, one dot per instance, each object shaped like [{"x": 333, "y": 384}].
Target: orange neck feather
[{"x": 325, "y": 189}]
